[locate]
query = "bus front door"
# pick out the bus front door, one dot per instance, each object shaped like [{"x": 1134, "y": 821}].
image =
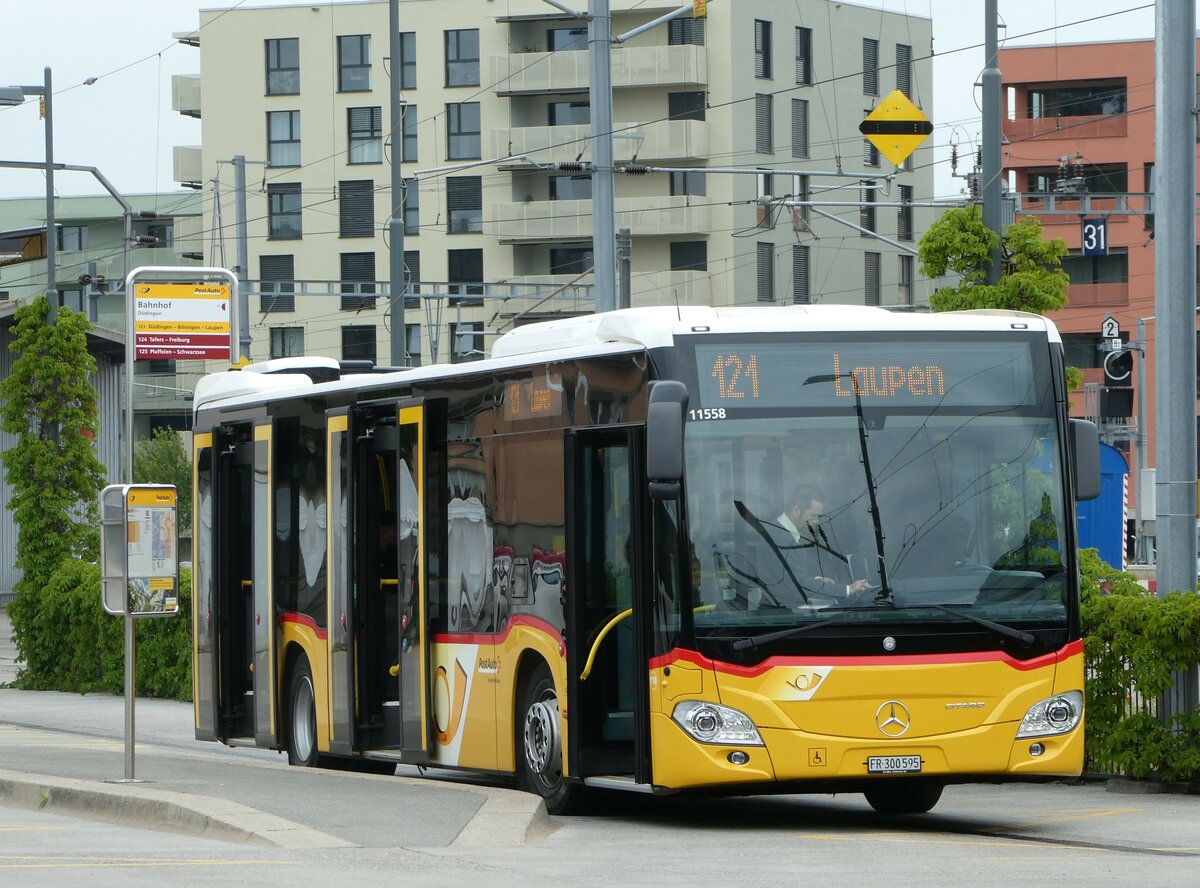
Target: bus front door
[
  {"x": 607, "y": 623},
  {"x": 389, "y": 603}
]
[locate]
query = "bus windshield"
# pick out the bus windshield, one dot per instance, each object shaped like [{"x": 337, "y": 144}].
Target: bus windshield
[{"x": 874, "y": 482}]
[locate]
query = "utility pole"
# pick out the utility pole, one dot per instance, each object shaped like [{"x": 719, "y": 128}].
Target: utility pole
[
  {"x": 624, "y": 252},
  {"x": 1174, "y": 286},
  {"x": 243, "y": 256},
  {"x": 991, "y": 132},
  {"x": 603, "y": 202},
  {"x": 396, "y": 288}
]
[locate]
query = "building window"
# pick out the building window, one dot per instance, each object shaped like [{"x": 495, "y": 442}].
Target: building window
[
  {"x": 283, "y": 66},
  {"x": 354, "y": 63},
  {"x": 359, "y": 343},
  {"x": 412, "y": 277},
  {"x": 466, "y": 341},
  {"x": 799, "y": 127},
  {"x": 685, "y": 31},
  {"x": 366, "y": 134},
  {"x": 570, "y": 260},
  {"x": 412, "y": 344},
  {"x": 1082, "y": 350},
  {"x": 801, "y": 273},
  {"x": 465, "y": 275},
  {"x": 569, "y": 113},
  {"x": 464, "y": 201},
  {"x": 408, "y": 60},
  {"x": 287, "y": 342},
  {"x": 689, "y": 256},
  {"x": 570, "y": 187},
  {"x": 283, "y": 211},
  {"x": 762, "y": 49},
  {"x": 356, "y": 208},
  {"x": 560, "y": 39},
  {"x": 764, "y": 140},
  {"x": 1110, "y": 269},
  {"x": 686, "y": 105},
  {"x": 462, "y": 58},
  {"x": 73, "y": 238},
  {"x": 1093, "y": 98},
  {"x": 277, "y": 283},
  {"x": 870, "y": 153},
  {"x": 408, "y": 143},
  {"x": 904, "y": 215},
  {"x": 358, "y": 281},
  {"x": 870, "y": 64},
  {"x": 1111, "y": 178},
  {"x": 804, "y": 59},
  {"x": 283, "y": 138},
  {"x": 906, "y": 280},
  {"x": 802, "y": 189},
  {"x": 866, "y": 207},
  {"x": 904, "y": 69},
  {"x": 462, "y": 131},
  {"x": 688, "y": 183},
  {"x": 412, "y": 207},
  {"x": 871, "y": 278},
  {"x": 766, "y": 272}
]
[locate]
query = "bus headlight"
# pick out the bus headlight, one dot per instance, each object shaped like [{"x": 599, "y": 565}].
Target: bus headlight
[
  {"x": 1059, "y": 714},
  {"x": 713, "y": 723}
]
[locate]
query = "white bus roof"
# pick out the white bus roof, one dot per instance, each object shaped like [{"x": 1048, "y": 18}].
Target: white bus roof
[{"x": 632, "y": 329}]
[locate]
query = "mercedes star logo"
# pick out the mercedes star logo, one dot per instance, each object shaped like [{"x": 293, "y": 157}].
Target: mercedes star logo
[{"x": 892, "y": 718}]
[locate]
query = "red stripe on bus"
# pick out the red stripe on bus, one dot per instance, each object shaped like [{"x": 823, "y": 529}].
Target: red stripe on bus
[
  {"x": 1072, "y": 649},
  {"x": 304, "y": 620},
  {"x": 483, "y": 638}
]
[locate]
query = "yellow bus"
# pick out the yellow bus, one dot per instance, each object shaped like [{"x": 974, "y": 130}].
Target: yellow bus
[{"x": 736, "y": 550}]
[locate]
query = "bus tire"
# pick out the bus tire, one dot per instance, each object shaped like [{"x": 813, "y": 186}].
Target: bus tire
[
  {"x": 302, "y": 716},
  {"x": 904, "y": 796},
  {"x": 539, "y": 745}
]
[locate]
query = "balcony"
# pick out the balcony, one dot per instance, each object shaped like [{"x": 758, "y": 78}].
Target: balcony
[
  {"x": 564, "y": 72},
  {"x": 1097, "y": 126},
  {"x": 664, "y": 140},
  {"x": 673, "y": 288},
  {"x": 187, "y": 164},
  {"x": 185, "y": 94},
  {"x": 1089, "y": 295},
  {"x": 571, "y": 220}
]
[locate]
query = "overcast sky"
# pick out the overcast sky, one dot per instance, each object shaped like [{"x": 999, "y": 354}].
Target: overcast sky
[{"x": 123, "y": 124}]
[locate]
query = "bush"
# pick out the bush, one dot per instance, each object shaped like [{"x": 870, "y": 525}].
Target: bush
[
  {"x": 1134, "y": 643},
  {"x": 70, "y": 643}
]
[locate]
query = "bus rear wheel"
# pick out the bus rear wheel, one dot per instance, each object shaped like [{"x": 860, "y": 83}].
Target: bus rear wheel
[
  {"x": 904, "y": 797},
  {"x": 302, "y": 717},
  {"x": 539, "y": 745}
]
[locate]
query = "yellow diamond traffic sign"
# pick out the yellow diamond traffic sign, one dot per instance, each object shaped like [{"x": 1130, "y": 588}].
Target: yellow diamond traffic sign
[{"x": 896, "y": 127}]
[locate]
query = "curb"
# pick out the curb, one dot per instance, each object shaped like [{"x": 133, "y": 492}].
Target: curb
[
  {"x": 1126, "y": 786},
  {"x": 141, "y": 806},
  {"x": 507, "y": 819}
]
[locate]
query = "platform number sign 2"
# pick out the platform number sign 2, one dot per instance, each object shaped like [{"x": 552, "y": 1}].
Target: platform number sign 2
[{"x": 1094, "y": 237}]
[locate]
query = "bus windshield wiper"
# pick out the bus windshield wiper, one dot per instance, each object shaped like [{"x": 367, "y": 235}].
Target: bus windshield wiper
[
  {"x": 766, "y": 638},
  {"x": 750, "y": 518},
  {"x": 1025, "y": 639}
]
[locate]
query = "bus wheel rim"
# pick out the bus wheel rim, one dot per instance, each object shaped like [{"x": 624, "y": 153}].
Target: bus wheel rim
[
  {"x": 542, "y": 739},
  {"x": 303, "y": 720}
]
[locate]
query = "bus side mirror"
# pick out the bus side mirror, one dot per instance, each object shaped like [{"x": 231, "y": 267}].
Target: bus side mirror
[
  {"x": 664, "y": 439},
  {"x": 1085, "y": 452}
]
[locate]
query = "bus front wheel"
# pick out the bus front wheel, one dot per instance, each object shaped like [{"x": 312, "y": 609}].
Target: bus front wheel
[
  {"x": 539, "y": 745},
  {"x": 904, "y": 797},
  {"x": 302, "y": 717}
]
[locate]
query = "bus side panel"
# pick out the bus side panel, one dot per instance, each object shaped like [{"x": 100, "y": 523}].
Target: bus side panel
[{"x": 203, "y": 662}]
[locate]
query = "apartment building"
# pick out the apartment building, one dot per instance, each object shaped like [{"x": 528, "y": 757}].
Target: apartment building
[
  {"x": 495, "y": 97},
  {"x": 1079, "y": 130}
]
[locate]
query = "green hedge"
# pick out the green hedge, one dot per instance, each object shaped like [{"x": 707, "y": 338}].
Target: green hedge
[
  {"x": 69, "y": 643},
  {"x": 1133, "y": 644}
]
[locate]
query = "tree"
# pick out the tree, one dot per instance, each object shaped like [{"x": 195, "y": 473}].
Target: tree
[
  {"x": 1030, "y": 276},
  {"x": 162, "y": 459},
  {"x": 53, "y": 472}
]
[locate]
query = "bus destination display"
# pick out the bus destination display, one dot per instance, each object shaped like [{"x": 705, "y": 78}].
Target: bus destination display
[{"x": 773, "y": 375}]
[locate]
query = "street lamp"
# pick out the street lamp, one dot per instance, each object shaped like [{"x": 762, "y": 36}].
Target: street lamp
[{"x": 15, "y": 95}]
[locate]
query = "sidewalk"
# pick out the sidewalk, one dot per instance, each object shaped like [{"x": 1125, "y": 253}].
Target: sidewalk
[{"x": 67, "y": 752}]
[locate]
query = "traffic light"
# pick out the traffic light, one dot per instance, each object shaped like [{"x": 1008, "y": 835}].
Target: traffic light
[{"x": 1118, "y": 368}]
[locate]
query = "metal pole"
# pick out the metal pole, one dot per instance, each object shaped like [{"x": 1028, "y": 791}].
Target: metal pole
[
  {"x": 1174, "y": 289},
  {"x": 51, "y": 233},
  {"x": 991, "y": 134},
  {"x": 243, "y": 257},
  {"x": 603, "y": 202},
  {"x": 624, "y": 249},
  {"x": 130, "y": 694},
  {"x": 1140, "y": 555},
  {"x": 399, "y": 341}
]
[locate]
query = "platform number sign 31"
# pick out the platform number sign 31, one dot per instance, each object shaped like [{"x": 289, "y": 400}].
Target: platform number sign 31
[{"x": 1094, "y": 237}]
